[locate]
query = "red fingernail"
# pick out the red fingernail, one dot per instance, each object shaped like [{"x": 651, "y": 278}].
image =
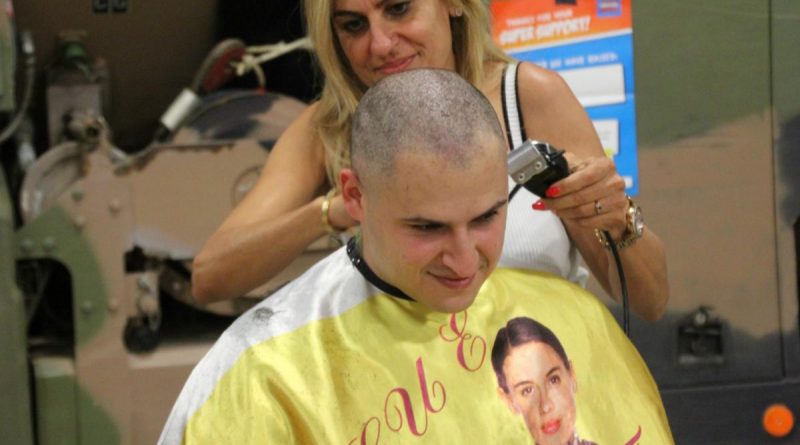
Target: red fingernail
[
  {"x": 538, "y": 205},
  {"x": 552, "y": 192}
]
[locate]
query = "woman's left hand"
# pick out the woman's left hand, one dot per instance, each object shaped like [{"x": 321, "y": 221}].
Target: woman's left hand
[{"x": 592, "y": 196}]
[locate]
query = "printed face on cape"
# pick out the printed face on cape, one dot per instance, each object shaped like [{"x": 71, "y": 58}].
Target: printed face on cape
[{"x": 542, "y": 390}]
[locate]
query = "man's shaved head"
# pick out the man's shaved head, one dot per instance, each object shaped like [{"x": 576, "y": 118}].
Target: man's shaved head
[
  {"x": 424, "y": 110},
  {"x": 428, "y": 186}
]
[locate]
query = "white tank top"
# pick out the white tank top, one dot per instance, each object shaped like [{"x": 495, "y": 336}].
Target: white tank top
[
  {"x": 534, "y": 239},
  {"x": 537, "y": 240}
]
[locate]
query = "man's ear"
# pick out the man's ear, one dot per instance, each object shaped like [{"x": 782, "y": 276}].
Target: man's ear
[{"x": 352, "y": 194}]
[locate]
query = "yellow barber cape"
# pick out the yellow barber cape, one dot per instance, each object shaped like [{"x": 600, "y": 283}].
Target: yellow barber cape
[{"x": 330, "y": 359}]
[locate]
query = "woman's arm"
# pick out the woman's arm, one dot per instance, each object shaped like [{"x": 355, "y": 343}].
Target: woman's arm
[
  {"x": 274, "y": 223},
  {"x": 553, "y": 114}
]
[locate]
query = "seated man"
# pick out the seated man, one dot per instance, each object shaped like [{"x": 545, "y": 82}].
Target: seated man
[{"x": 388, "y": 340}]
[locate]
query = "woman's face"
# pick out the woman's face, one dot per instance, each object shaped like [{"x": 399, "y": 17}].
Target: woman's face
[
  {"x": 383, "y": 37},
  {"x": 541, "y": 388}
]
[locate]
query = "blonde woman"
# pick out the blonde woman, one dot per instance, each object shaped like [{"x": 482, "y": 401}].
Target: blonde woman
[{"x": 358, "y": 42}]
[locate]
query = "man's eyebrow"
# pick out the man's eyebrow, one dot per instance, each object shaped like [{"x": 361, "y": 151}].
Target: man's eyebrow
[
  {"x": 421, "y": 220},
  {"x": 498, "y": 205}
]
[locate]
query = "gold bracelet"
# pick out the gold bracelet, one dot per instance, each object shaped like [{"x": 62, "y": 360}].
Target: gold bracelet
[
  {"x": 326, "y": 206},
  {"x": 634, "y": 227},
  {"x": 601, "y": 237}
]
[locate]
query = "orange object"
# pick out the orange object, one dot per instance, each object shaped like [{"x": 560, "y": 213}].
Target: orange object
[{"x": 778, "y": 420}]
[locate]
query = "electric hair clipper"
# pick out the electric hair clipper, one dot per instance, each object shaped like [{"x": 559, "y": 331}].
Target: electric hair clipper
[{"x": 537, "y": 165}]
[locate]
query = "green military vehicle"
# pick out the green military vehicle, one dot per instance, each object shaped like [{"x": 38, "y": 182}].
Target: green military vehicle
[{"x": 97, "y": 232}]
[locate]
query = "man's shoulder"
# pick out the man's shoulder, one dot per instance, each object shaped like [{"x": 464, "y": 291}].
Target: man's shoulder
[{"x": 327, "y": 289}]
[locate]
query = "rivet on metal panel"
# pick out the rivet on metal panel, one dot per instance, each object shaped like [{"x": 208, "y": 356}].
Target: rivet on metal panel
[
  {"x": 26, "y": 245},
  {"x": 114, "y": 206},
  {"x": 48, "y": 244},
  {"x": 177, "y": 287},
  {"x": 87, "y": 307},
  {"x": 77, "y": 195},
  {"x": 144, "y": 285},
  {"x": 79, "y": 221},
  {"x": 147, "y": 304},
  {"x": 700, "y": 318}
]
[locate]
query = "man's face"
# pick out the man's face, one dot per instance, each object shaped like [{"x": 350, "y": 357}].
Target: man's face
[
  {"x": 541, "y": 388},
  {"x": 434, "y": 230}
]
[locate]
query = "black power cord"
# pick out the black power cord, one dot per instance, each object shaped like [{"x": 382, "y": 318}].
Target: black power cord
[
  {"x": 536, "y": 166},
  {"x": 626, "y": 322}
]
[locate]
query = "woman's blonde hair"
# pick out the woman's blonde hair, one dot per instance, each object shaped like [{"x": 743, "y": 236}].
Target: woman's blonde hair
[{"x": 472, "y": 46}]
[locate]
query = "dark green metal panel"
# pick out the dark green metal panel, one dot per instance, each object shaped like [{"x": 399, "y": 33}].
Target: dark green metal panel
[
  {"x": 698, "y": 64},
  {"x": 56, "y": 388},
  {"x": 786, "y": 58},
  {"x": 786, "y": 102},
  {"x": 53, "y": 234},
  {"x": 719, "y": 80},
  {"x": 15, "y": 408},
  {"x": 59, "y": 398},
  {"x": 96, "y": 426}
]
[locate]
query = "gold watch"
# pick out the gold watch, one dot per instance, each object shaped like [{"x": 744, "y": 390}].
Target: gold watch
[{"x": 633, "y": 230}]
